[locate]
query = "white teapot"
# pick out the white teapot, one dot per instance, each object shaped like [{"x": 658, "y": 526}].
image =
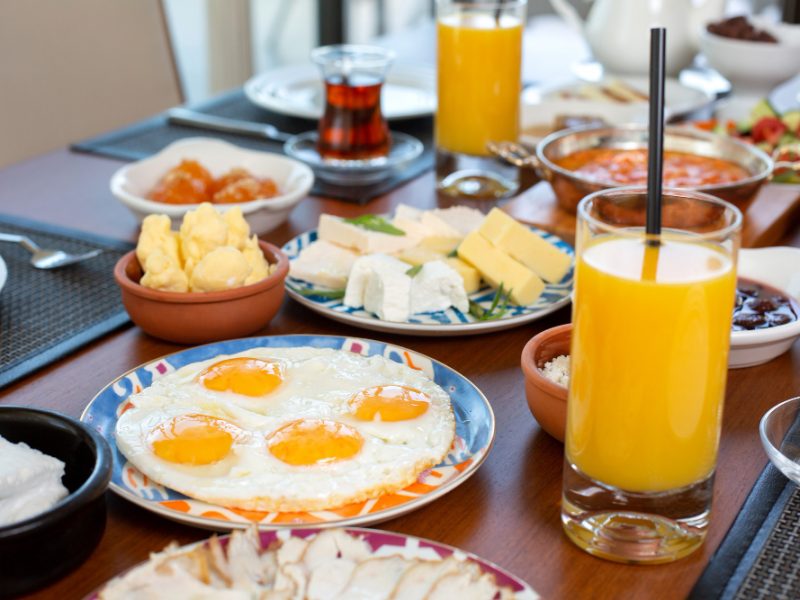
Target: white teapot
[{"x": 618, "y": 31}]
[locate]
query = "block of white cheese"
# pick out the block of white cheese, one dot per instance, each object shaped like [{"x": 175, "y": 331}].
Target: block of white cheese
[
  {"x": 325, "y": 264},
  {"x": 497, "y": 267},
  {"x": 30, "y": 482},
  {"x": 456, "y": 221},
  {"x": 437, "y": 286},
  {"x": 364, "y": 241},
  {"x": 380, "y": 284},
  {"x": 408, "y": 218},
  {"x": 522, "y": 244}
]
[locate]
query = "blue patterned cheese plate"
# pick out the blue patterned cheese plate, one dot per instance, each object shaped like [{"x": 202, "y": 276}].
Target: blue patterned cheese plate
[{"x": 451, "y": 321}]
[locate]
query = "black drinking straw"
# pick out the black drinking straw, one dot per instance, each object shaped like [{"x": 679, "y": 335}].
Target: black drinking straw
[{"x": 655, "y": 147}]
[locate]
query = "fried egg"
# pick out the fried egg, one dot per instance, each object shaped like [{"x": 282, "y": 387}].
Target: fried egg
[{"x": 287, "y": 429}]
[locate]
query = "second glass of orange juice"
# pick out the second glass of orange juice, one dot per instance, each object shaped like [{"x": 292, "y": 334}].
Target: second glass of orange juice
[
  {"x": 479, "y": 83},
  {"x": 649, "y": 359}
]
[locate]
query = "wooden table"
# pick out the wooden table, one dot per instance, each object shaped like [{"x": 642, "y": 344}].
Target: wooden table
[{"x": 508, "y": 512}]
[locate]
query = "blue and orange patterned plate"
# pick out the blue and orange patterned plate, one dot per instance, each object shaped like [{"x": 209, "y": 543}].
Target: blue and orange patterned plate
[
  {"x": 474, "y": 436},
  {"x": 448, "y": 322}
]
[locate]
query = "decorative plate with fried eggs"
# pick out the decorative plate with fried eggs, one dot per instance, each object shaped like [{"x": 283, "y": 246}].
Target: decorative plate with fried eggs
[{"x": 291, "y": 429}]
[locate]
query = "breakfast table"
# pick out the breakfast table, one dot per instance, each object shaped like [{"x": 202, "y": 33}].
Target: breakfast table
[{"x": 507, "y": 513}]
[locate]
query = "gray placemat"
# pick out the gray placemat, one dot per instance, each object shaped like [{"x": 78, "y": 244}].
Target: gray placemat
[
  {"x": 44, "y": 315},
  {"x": 760, "y": 555},
  {"x": 147, "y": 137},
  {"x": 775, "y": 570}
]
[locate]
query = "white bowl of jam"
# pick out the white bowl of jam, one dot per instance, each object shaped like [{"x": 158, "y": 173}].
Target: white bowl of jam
[{"x": 766, "y": 318}]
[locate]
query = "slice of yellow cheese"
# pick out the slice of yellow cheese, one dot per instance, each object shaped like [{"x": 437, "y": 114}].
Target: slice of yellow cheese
[
  {"x": 470, "y": 275},
  {"x": 497, "y": 267},
  {"x": 419, "y": 256},
  {"x": 533, "y": 251},
  {"x": 440, "y": 243}
]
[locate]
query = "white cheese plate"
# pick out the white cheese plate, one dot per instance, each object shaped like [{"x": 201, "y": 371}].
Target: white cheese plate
[{"x": 447, "y": 322}]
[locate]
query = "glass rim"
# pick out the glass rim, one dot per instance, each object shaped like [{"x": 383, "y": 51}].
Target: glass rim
[
  {"x": 627, "y": 231},
  {"x": 484, "y": 4},
  {"x": 364, "y": 55}
]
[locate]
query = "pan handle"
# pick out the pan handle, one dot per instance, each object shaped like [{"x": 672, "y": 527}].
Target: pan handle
[{"x": 518, "y": 155}]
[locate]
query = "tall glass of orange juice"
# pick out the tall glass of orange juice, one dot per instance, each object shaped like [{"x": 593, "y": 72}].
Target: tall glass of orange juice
[
  {"x": 479, "y": 83},
  {"x": 649, "y": 358}
]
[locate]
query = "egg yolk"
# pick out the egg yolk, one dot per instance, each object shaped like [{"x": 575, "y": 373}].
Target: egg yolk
[
  {"x": 192, "y": 439},
  {"x": 242, "y": 375},
  {"x": 389, "y": 403},
  {"x": 313, "y": 441}
]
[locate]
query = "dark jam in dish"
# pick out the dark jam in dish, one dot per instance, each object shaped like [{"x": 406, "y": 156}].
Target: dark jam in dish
[{"x": 759, "y": 306}]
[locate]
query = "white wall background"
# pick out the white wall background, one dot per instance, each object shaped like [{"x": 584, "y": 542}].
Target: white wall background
[{"x": 282, "y": 32}]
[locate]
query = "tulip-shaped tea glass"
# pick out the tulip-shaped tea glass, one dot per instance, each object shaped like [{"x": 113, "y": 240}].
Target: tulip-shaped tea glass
[
  {"x": 649, "y": 358},
  {"x": 352, "y": 126}
]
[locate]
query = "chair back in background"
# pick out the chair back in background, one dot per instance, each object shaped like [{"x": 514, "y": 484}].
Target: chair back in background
[{"x": 70, "y": 69}]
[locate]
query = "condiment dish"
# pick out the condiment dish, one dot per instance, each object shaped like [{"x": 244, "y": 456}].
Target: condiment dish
[
  {"x": 546, "y": 399},
  {"x": 198, "y": 317},
  {"x": 754, "y": 67},
  {"x": 45, "y": 547},
  {"x": 780, "y": 436},
  {"x": 778, "y": 267},
  {"x": 132, "y": 183}
]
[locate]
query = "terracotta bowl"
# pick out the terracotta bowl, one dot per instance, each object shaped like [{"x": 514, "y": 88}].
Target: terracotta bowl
[
  {"x": 547, "y": 400},
  {"x": 197, "y": 317}
]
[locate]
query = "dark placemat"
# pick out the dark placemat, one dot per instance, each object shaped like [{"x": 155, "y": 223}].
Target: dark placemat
[
  {"x": 147, "y": 137},
  {"x": 44, "y": 315},
  {"x": 760, "y": 555}
]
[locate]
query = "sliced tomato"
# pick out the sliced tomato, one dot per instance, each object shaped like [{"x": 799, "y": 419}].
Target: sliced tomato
[{"x": 768, "y": 129}]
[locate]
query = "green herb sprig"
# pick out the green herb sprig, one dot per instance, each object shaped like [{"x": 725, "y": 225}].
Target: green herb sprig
[
  {"x": 414, "y": 270},
  {"x": 327, "y": 294},
  {"x": 497, "y": 309},
  {"x": 375, "y": 223}
]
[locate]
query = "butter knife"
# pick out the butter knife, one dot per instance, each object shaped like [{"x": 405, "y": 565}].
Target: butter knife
[{"x": 198, "y": 120}]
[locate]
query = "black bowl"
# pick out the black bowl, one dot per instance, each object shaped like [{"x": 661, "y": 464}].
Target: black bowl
[{"x": 47, "y": 546}]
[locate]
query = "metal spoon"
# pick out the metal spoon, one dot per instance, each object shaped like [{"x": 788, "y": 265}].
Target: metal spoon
[{"x": 47, "y": 259}]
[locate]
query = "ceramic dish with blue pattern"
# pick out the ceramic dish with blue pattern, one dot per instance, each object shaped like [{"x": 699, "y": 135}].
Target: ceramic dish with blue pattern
[
  {"x": 451, "y": 321},
  {"x": 475, "y": 429}
]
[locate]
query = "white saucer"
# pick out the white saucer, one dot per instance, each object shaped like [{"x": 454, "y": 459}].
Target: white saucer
[{"x": 296, "y": 90}]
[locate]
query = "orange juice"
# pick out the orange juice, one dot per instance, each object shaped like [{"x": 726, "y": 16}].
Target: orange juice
[
  {"x": 649, "y": 362},
  {"x": 479, "y": 62}
]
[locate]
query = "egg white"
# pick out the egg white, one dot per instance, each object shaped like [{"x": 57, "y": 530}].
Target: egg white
[{"x": 317, "y": 385}]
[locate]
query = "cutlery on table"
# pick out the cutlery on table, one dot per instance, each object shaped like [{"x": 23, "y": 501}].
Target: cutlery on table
[
  {"x": 44, "y": 258},
  {"x": 199, "y": 120}
]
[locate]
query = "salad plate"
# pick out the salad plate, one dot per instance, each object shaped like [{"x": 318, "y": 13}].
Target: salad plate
[
  {"x": 475, "y": 429},
  {"x": 449, "y": 322}
]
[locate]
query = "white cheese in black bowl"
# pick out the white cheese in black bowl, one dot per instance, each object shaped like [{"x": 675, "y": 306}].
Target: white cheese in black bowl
[{"x": 39, "y": 546}]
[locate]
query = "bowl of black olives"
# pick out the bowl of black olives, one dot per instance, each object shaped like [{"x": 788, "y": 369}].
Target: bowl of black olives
[{"x": 766, "y": 313}]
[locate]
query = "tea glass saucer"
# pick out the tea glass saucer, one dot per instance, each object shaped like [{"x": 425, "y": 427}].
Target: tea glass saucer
[{"x": 403, "y": 150}]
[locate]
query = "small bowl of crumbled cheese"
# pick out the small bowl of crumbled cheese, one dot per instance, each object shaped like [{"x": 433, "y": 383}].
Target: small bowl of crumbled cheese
[
  {"x": 53, "y": 475},
  {"x": 545, "y": 364}
]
